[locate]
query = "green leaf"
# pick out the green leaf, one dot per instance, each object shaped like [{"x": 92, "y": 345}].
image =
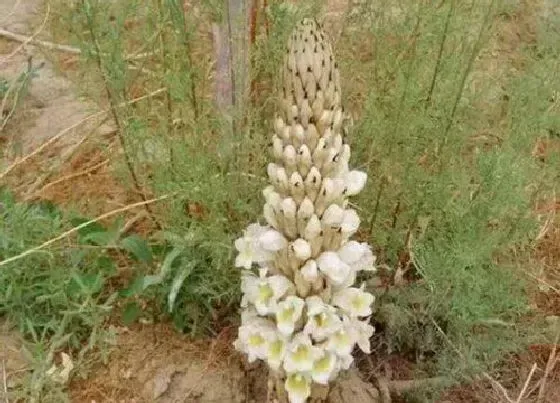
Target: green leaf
[
  {"x": 135, "y": 287},
  {"x": 93, "y": 227},
  {"x": 177, "y": 284},
  {"x": 86, "y": 283},
  {"x": 101, "y": 238},
  {"x": 138, "y": 247},
  {"x": 131, "y": 313},
  {"x": 165, "y": 269}
]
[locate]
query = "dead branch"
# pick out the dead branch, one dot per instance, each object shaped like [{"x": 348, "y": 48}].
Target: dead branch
[{"x": 64, "y": 132}]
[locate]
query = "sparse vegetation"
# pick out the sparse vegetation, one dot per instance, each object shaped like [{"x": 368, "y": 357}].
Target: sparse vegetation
[{"x": 457, "y": 121}]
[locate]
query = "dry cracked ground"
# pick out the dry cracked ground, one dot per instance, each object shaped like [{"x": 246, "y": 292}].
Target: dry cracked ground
[{"x": 150, "y": 362}]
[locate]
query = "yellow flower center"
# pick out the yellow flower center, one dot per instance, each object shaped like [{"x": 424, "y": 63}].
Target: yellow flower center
[
  {"x": 320, "y": 319},
  {"x": 256, "y": 340},
  {"x": 323, "y": 364},
  {"x": 301, "y": 353},
  {"x": 297, "y": 382},
  {"x": 358, "y": 302},
  {"x": 275, "y": 348},
  {"x": 265, "y": 293},
  {"x": 286, "y": 314}
]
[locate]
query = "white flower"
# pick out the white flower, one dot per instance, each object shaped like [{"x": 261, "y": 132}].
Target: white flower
[
  {"x": 324, "y": 368},
  {"x": 341, "y": 342},
  {"x": 301, "y": 354},
  {"x": 309, "y": 270},
  {"x": 362, "y": 333},
  {"x": 350, "y": 222},
  {"x": 288, "y": 313},
  {"x": 344, "y": 362},
  {"x": 357, "y": 255},
  {"x": 276, "y": 352},
  {"x": 254, "y": 337},
  {"x": 313, "y": 228},
  {"x": 264, "y": 292},
  {"x": 333, "y": 267},
  {"x": 353, "y": 301},
  {"x": 333, "y": 215},
  {"x": 301, "y": 249},
  {"x": 272, "y": 241},
  {"x": 322, "y": 319},
  {"x": 354, "y": 182},
  {"x": 298, "y": 387},
  {"x": 249, "y": 248}
]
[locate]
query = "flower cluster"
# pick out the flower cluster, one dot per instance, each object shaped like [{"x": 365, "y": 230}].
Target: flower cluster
[{"x": 302, "y": 313}]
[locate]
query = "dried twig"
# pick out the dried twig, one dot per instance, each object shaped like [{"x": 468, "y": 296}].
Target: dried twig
[
  {"x": 526, "y": 384},
  {"x": 83, "y": 225},
  {"x": 52, "y": 140},
  {"x": 5, "y": 381},
  {"x": 64, "y": 132},
  {"x": 552, "y": 360},
  {"x": 487, "y": 376},
  {"x": 30, "y": 40},
  {"x": 74, "y": 175}
]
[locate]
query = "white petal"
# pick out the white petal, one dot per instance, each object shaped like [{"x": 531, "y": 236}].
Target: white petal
[
  {"x": 306, "y": 208},
  {"x": 363, "y": 332},
  {"x": 302, "y": 249},
  {"x": 288, "y": 313},
  {"x": 309, "y": 270},
  {"x": 272, "y": 241},
  {"x": 313, "y": 228},
  {"x": 351, "y": 221},
  {"x": 352, "y": 251},
  {"x": 353, "y": 301},
  {"x": 298, "y": 387},
  {"x": 243, "y": 260},
  {"x": 270, "y": 215},
  {"x": 254, "y": 230},
  {"x": 276, "y": 352},
  {"x": 324, "y": 368},
  {"x": 301, "y": 354},
  {"x": 355, "y": 182},
  {"x": 333, "y": 215},
  {"x": 341, "y": 343},
  {"x": 333, "y": 267},
  {"x": 280, "y": 285},
  {"x": 289, "y": 207}
]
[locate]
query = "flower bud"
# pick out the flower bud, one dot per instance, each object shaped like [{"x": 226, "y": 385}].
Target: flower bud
[
  {"x": 304, "y": 213},
  {"x": 289, "y": 157},
  {"x": 303, "y": 287},
  {"x": 277, "y": 148},
  {"x": 283, "y": 184},
  {"x": 304, "y": 160},
  {"x": 309, "y": 271},
  {"x": 305, "y": 112},
  {"x": 319, "y": 153},
  {"x": 289, "y": 209},
  {"x": 354, "y": 182},
  {"x": 332, "y": 217},
  {"x": 297, "y": 188},
  {"x": 278, "y": 126},
  {"x": 312, "y": 229},
  {"x": 312, "y": 183},
  {"x": 311, "y": 136},
  {"x": 302, "y": 249}
]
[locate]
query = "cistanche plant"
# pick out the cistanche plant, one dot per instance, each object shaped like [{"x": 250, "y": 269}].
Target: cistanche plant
[{"x": 302, "y": 313}]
